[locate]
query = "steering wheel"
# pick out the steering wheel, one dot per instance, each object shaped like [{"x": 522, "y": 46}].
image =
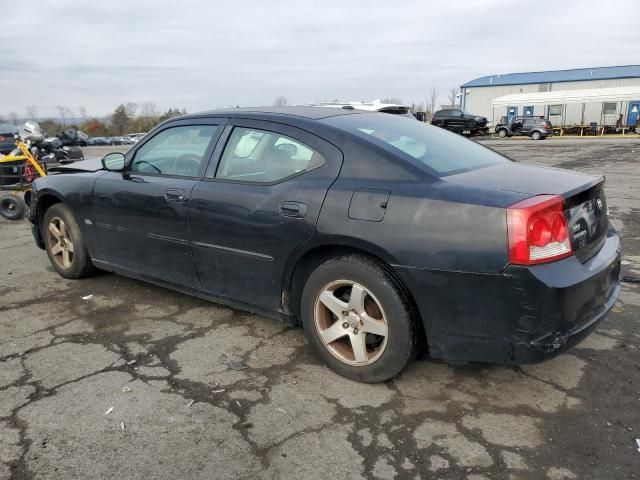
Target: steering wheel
[
  {"x": 140, "y": 162},
  {"x": 187, "y": 164}
]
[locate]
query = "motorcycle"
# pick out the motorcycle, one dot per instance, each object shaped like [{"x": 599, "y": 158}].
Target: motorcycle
[
  {"x": 18, "y": 170},
  {"x": 62, "y": 148}
]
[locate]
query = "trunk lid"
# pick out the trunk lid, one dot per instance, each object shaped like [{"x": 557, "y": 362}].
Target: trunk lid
[
  {"x": 586, "y": 214},
  {"x": 585, "y": 202}
]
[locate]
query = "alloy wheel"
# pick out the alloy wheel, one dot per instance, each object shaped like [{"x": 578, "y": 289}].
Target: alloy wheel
[
  {"x": 351, "y": 323},
  {"x": 60, "y": 243}
]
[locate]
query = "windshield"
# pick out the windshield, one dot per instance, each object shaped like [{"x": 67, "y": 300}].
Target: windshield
[{"x": 442, "y": 152}]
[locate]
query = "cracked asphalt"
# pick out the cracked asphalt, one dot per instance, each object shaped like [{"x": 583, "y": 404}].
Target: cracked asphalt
[{"x": 112, "y": 378}]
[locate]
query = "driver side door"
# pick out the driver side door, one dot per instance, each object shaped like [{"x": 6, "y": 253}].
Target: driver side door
[{"x": 141, "y": 215}]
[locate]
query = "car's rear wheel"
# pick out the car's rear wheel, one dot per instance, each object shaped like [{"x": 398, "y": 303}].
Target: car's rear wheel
[
  {"x": 64, "y": 243},
  {"x": 12, "y": 207},
  {"x": 357, "y": 319},
  {"x": 536, "y": 135},
  {"x": 502, "y": 133}
]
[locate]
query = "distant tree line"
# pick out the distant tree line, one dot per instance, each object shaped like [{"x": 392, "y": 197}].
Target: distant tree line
[
  {"x": 133, "y": 118},
  {"x": 126, "y": 118}
]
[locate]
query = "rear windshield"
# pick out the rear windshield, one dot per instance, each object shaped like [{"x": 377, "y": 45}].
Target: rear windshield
[{"x": 441, "y": 152}]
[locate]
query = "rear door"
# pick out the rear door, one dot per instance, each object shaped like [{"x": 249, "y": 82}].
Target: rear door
[
  {"x": 527, "y": 126},
  {"x": 141, "y": 216},
  {"x": 457, "y": 120},
  {"x": 256, "y": 205}
]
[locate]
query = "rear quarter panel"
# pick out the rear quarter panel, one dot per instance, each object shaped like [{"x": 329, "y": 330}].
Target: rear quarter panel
[{"x": 426, "y": 225}]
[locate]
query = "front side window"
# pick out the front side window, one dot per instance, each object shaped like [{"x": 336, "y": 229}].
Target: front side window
[
  {"x": 441, "y": 152},
  {"x": 175, "y": 151},
  {"x": 253, "y": 155}
]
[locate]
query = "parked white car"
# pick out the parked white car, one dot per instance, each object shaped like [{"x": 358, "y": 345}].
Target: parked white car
[
  {"x": 135, "y": 137},
  {"x": 374, "y": 106}
]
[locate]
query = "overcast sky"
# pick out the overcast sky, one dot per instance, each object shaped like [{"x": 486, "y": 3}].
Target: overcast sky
[{"x": 206, "y": 54}]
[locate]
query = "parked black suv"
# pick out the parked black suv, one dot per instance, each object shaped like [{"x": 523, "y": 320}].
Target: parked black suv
[
  {"x": 460, "y": 121},
  {"x": 538, "y": 128}
]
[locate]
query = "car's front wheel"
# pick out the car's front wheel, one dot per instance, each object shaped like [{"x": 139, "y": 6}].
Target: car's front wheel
[
  {"x": 502, "y": 133},
  {"x": 357, "y": 319},
  {"x": 64, "y": 243}
]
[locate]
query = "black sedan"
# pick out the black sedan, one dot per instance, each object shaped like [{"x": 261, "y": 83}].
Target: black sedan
[{"x": 377, "y": 234}]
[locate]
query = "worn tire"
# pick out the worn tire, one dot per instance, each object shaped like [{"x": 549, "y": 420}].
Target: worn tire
[
  {"x": 81, "y": 265},
  {"x": 401, "y": 344},
  {"x": 12, "y": 207}
]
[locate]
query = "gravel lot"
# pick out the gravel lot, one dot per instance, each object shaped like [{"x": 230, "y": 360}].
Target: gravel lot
[{"x": 130, "y": 382}]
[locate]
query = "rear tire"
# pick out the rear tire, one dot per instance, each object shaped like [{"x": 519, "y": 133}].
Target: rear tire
[
  {"x": 12, "y": 207},
  {"x": 502, "y": 133},
  {"x": 344, "y": 301},
  {"x": 536, "y": 135},
  {"x": 64, "y": 243}
]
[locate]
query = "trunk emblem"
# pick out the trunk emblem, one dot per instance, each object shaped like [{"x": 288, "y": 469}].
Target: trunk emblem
[{"x": 599, "y": 204}]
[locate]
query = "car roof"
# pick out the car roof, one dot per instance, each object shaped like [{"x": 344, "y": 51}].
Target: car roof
[{"x": 312, "y": 113}]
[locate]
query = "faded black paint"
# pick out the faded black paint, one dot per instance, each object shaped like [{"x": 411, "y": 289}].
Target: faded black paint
[{"x": 444, "y": 238}]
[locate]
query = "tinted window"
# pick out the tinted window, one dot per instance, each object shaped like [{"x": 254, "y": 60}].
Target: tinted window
[
  {"x": 175, "y": 151},
  {"x": 260, "y": 156},
  {"x": 442, "y": 152}
]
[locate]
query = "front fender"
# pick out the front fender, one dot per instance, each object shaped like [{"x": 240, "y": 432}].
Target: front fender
[{"x": 74, "y": 190}]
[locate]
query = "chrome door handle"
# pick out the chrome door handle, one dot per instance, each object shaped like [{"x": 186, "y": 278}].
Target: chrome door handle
[
  {"x": 293, "y": 209},
  {"x": 174, "y": 195}
]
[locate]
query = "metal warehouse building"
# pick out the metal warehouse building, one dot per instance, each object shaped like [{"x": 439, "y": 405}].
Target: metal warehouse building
[{"x": 604, "y": 95}]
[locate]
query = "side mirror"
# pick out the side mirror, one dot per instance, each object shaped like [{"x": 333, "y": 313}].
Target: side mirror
[{"x": 113, "y": 162}]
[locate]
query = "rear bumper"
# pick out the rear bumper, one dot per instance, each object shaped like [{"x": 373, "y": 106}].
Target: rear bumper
[{"x": 523, "y": 315}]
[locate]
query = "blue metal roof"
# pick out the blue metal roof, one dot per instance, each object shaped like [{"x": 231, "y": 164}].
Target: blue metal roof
[{"x": 575, "y": 75}]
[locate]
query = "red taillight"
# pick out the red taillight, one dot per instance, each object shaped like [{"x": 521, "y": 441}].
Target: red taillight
[{"x": 537, "y": 230}]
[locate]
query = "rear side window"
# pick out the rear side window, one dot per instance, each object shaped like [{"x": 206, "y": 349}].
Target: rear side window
[
  {"x": 260, "y": 156},
  {"x": 439, "y": 151}
]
